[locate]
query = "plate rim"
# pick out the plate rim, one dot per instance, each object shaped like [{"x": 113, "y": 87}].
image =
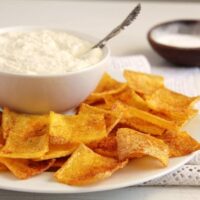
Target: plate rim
[{"x": 186, "y": 159}]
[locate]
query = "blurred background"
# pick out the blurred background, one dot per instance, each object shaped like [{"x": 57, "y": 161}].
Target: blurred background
[{"x": 98, "y": 17}]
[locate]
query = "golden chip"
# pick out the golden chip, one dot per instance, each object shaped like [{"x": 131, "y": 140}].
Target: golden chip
[
  {"x": 86, "y": 167},
  {"x": 81, "y": 128},
  {"x": 182, "y": 119},
  {"x": 101, "y": 105},
  {"x": 142, "y": 83},
  {"x": 128, "y": 97},
  {"x": 133, "y": 144},
  {"x": 107, "y": 85},
  {"x": 58, "y": 151},
  {"x": 110, "y": 119},
  {"x": 98, "y": 98},
  {"x": 164, "y": 100},
  {"x": 172, "y": 104},
  {"x": 2, "y": 141},
  {"x": 142, "y": 120},
  {"x": 180, "y": 143},
  {"x": 8, "y": 119},
  {"x": 114, "y": 125},
  {"x": 3, "y": 168},
  {"x": 58, "y": 164},
  {"x": 27, "y": 135},
  {"x": 24, "y": 169},
  {"x": 95, "y": 99},
  {"x": 105, "y": 147}
]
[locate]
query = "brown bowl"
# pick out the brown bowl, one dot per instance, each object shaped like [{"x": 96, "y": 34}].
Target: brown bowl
[{"x": 187, "y": 56}]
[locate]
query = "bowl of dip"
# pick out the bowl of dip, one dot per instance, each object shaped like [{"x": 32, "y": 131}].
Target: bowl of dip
[
  {"x": 177, "y": 41},
  {"x": 43, "y": 69}
]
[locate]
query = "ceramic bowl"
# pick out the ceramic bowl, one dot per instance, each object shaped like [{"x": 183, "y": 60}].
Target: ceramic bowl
[
  {"x": 44, "y": 93},
  {"x": 179, "y": 55}
]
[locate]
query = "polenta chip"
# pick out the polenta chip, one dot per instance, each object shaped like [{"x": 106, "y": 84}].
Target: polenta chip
[
  {"x": 8, "y": 119},
  {"x": 126, "y": 96},
  {"x": 24, "y": 169},
  {"x": 81, "y": 128},
  {"x": 164, "y": 100},
  {"x": 58, "y": 164},
  {"x": 101, "y": 105},
  {"x": 110, "y": 119},
  {"x": 2, "y": 140},
  {"x": 86, "y": 167},
  {"x": 27, "y": 135},
  {"x": 118, "y": 122},
  {"x": 174, "y": 105},
  {"x": 95, "y": 99},
  {"x": 3, "y": 168},
  {"x": 98, "y": 98},
  {"x": 133, "y": 144},
  {"x": 107, "y": 85},
  {"x": 142, "y": 83},
  {"x": 181, "y": 119},
  {"x": 140, "y": 119},
  {"x": 105, "y": 147},
  {"x": 58, "y": 151},
  {"x": 180, "y": 143}
]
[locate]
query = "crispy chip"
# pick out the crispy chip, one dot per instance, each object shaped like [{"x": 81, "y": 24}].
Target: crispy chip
[
  {"x": 118, "y": 122},
  {"x": 2, "y": 141},
  {"x": 8, "y": 119},
  {"x": 105, "y": 147},
  {"x": 143, "y": 121},
  {"x": 86, "y": 167},
  {"x": 27, "y": 135},
  {"x": 58, "y": 164},
  {"x": 128, "y": 97},
  {"x": 110, "y": 119},
  {"x": 133, "y": 144},
  {"x": 24, "y": 169},
  {"x": 172, "y": 104},
  {"x": 182, "y": 119},
  {"x": 142, "y": 83},
  {"x": 95, "y": 99},
  {"x": 164, "y": 100},
  {"x": 180, "y": 143},
  {"x": 107, "y": 85},
  {"x": 101, "y": 105},
  {"x": 58, "y": 151},
  {"x": 98, "y": 98},
  {"x": 3, "y": 168},
  {"x": 81, "y": 128}
]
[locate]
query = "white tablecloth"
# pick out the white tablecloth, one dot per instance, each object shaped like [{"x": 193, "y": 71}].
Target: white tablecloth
[{"x": 97, "y": 18}]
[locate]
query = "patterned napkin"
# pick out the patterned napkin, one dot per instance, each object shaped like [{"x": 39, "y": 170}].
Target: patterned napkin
[{"x": 187, "y": 82}]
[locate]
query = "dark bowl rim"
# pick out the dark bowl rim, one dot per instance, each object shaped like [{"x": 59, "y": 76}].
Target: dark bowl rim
[{"x": 153, "y": 41}]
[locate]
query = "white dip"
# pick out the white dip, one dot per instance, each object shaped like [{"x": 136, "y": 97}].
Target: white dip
[
  {"x": 45, "y": 52},
  {"x": 179, "y": 40}
]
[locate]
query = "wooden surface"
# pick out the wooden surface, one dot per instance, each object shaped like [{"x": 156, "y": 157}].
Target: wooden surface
[{"x": 97, "y": 18}]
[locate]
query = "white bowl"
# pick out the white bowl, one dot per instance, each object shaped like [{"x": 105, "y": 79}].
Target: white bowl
[{"x": 44, "y": 93}]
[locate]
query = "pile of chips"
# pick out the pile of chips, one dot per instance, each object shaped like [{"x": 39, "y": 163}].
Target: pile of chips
[{"x": 118, "y": 122}]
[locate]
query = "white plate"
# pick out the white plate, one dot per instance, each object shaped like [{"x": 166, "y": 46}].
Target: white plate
[{"x": 138, "y": 171}]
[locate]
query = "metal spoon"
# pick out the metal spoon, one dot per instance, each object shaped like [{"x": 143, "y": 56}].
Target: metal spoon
[{"x": 128, "y": 20}]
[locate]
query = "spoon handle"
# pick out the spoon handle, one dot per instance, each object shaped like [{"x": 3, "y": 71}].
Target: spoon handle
[{"x": 128, "y": 20}]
